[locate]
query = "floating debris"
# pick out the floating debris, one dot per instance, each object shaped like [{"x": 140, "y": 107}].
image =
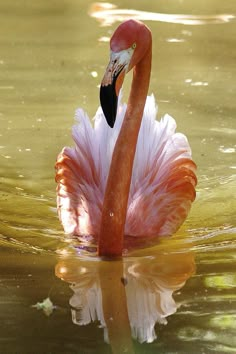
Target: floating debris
[{"x": 47, "y": 306}]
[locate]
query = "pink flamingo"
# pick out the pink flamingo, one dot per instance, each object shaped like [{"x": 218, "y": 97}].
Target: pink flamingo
[{"x": 134, "y": 178}]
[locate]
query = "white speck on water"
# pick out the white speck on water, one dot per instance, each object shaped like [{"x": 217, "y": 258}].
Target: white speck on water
[
  {"x": 196, "y": 83},
  {"x": 19, "y": 189},
  {"x": 226, "y": 150},
  {"x": 94, "y": 74},
  {"x": 104, "y": 39},
  {"x": 175, "y": 40},
  {"x": 111, "y": 214},
  {"x": 199, "y": 83},
  {"x": 186, "y": 33}
]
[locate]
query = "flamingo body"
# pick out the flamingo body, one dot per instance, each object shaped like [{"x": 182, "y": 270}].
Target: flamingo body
[{"x": 163, "y": 176}]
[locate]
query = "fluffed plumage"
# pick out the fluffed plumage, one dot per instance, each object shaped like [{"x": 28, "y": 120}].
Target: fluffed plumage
[{"x": 163, "y": 177}]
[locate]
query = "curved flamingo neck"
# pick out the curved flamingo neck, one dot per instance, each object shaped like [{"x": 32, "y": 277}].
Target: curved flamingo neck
[{"x": 110, "y": 242}]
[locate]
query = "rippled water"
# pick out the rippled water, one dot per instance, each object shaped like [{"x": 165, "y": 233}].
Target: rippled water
[{"x": 178, "y": 296}]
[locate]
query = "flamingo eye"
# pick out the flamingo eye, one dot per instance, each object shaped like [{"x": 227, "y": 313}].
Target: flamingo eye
[{"x": 134, "y": 45}]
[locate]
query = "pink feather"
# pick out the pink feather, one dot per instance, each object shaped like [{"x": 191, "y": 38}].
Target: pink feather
[{"x": 163, "y": 178}]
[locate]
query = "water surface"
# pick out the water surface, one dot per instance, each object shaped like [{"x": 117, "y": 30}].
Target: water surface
[{"x": 53, "y": 55}]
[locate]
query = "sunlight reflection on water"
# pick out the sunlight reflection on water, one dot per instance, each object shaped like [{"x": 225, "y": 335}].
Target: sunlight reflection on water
[
  {"x": 107, "y": 14},
  {"x": 48, "y": 68}
]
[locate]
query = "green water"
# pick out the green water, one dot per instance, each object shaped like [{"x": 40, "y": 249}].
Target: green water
[{"x": 52, "y": 57}]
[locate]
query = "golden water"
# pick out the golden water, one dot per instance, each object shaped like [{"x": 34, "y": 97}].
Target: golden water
[{"x": 52, "y": 58}]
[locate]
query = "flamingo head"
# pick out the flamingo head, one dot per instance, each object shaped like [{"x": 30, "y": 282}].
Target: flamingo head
[{"x": 128, "y": 44}]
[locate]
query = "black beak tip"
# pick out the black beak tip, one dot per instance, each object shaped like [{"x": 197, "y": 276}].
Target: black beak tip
[
  {"x": 111, "y": 123},
  {"x": 108, "y": 100}
]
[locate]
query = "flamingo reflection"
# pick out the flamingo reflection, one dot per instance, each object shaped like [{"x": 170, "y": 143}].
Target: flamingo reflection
[{"x": 127, "y": 297}]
